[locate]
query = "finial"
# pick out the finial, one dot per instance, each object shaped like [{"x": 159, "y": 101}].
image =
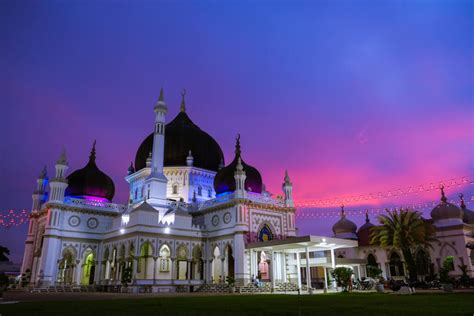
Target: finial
[
  {"x": 239, "y": 166},
  {"x": 43, "y": 174},
  {"x": 287, "y": 178},
  {"x": 237, "y": 146},
  {"x": 183, "y": 103},
  {"x": 62, "y": 158},
  {"x": 463, "y": 205},
  {"x": 162, "y": 96},
  {"x": 367, "y": 216},
  {"x": 443, "y": 197},
  {"x": 131, "y": 169},
  {"x": 189, "y": 159},
  {"x": 343, "y": 214},
  {"x": 92, "y": 155}
]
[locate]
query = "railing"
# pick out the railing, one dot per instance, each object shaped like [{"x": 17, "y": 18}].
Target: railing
[
  {"x": 119, "y": 208},
  {"x": 254, "y": 197}
]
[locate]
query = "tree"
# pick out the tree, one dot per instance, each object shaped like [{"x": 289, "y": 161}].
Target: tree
[
  {"x": 4, "y": 252},
  {"x": 404, "y": 230},
  {"x": 342, "y": 275}
]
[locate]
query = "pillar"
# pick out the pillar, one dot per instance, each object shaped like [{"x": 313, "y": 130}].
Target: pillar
[
  {"x": 298, "y": 268},
  {"x": 325, "y": 280},
  {"x": 308, "y": 271},
  {"x": 273, "y": 270}
]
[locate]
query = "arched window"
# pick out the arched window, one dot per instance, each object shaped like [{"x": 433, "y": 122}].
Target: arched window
[
  {"x": 175, "y": 189},
  {"x": 422, "y": 262},
  {"x": 165, "y": 258},
  {"x": 371, "y": 261},
  {"x": 265, "y": 233},
  {"x": 136, "y": 193},
  {"x": 396, "y": 265},
  {"x": 199, "y": 190},
  {"x": 448, "y": 263},
  {"x": 209, "y": 193}
]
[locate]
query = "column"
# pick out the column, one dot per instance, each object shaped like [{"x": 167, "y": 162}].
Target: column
[
  {"x": 333, "y": 259},
  {"x": 222, "y": 279},
  {"x": 154, "y": 269},
  {"x": 272, "y": 270},
  {"x": 241, "y": 272},
  {"x": 298, "y": 268},
  {"x": 308, "y": 271},
  {"x": 188, "y": 269},
  {"x": 172, "y": 269},
  {"x": 283, "y": 260},
  {"x": 325, "y": 280},
  {"x": 358, "y": 271}
]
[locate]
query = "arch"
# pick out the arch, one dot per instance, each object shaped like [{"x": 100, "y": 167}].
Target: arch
[
  {"x": 182, "y": 262},
  {"x": 88, "y": 268},
  {"x": 229, "y": 261},
  {"x": 396, "y": 265},
  {"x": 197, "y": 264},
  {"x": 165, "y": 254},
  {"x": 66, "y": 266},
  {"x": 145, "y": 261},
  {"x": 422, "y": 261},
  {"x": 174, "y": 188},
  {"x": 265, "y": 232},
  {"x": 216, "y": 265},
  {"x": 264, "y": 266},
  {"x": 371, "y": 265},
  {"x": 447, "y": 249}
]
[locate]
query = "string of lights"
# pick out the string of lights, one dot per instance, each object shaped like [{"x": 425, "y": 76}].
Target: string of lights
[
  {"x": 12, "y": 218},
  {"x": 321, "y": 214},
  {"x": 394, "y": 193}
]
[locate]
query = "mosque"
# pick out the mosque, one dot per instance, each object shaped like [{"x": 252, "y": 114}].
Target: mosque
[{"x": 192, "y": 222}]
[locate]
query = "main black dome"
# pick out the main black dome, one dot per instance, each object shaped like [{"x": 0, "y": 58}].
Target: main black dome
[
  {"x": 90, "y": 181},
  {"x": 224, "y": 180},
  {"x": 182, "y": 135}
]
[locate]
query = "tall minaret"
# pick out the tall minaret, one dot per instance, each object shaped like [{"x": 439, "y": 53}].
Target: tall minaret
[
  {"x": 239, "y": 173},
  {"x": 39, "y": 195},
  {"x": 156, "y": 181},
  {"x": 288, "y": 190},
  {"x": 58, "y": 185}
]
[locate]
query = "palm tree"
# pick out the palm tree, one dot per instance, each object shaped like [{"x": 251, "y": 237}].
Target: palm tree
[
  {"x": 3, "y": 253},
  {"x": 404, "y": 230}
]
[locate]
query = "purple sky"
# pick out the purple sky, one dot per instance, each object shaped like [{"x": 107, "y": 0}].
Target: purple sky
[{"x": 349, "y": 96}]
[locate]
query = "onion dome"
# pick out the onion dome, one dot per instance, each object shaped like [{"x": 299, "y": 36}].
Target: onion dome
[
  {"x": 181, "y": 136},
  {"x": 468, "y": 216},
  {"x": 344, "y": 228},
  {"x": 446, "y": 210},
  {"x": 90, "y": 182},
  {"x": 364, "y": 231},
  {"x": 224, "y": 180}
]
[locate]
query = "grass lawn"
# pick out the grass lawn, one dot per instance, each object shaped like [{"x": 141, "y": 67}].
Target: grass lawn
[{"x": 328, "y": 304}]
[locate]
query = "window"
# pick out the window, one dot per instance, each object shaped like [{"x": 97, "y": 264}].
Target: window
[
  {"x": 164, "y": 258},
  {"x": 200, "y": 191},
  {"x": 396, "y": 265},
  {"x": 175, "y": 189},
  {"x": 209, "y": 193}
]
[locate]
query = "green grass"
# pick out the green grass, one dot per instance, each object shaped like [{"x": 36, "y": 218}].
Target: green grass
[{"x": 329, "y": 304}]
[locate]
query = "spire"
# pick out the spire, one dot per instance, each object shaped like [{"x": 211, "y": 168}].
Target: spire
[
  {"x": 287, "y": 178},
  {"x": 463, "y": 205},
  {"x": 92, "y": 155},
  {"x": 443, "y": 197},
  {"x": 161, "y": 105},
  {"x": 62, "y": 158},
  {"x": 343, "y": 213},
  {"x": 182, "y": 108},
  {"x": 43, "y": 174},
  {"x": 367, "y": 220},
  {"x": 237, "y": 146}
]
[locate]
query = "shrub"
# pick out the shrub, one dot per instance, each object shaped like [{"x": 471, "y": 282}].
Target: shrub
[{"x": 342, "y": 275}]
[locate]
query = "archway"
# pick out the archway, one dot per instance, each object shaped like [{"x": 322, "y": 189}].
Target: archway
[
  {"x": 264, "y": 266},
  {"x": 229, "y": 262},
  {"x": 66, "y": 267},
  {"x": 164, "y": 260},
  {"x": 216, "y": 265},
  {"x": 145, "y": 261},
  {"x": 197, "y": 264},
  {"x": 396, "y": 265},
  {"x": 88, "y": 269},
  {"x": 182, "y": 263},
  {"x": 265, "y": 233}
]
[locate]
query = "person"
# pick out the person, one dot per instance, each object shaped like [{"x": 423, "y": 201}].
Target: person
[{"x": 252, "y": 280}]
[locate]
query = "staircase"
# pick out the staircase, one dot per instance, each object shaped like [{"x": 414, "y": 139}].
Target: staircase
[{"x": 214, "y": 288}]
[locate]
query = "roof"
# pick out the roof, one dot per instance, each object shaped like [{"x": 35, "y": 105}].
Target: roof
[{"x": 299, "y": 244}]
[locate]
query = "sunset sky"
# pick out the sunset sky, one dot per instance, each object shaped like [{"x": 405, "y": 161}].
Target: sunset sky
[{"x": 351, "y": 97}]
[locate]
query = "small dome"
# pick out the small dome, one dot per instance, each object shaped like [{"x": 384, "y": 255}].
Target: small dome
[
  {"x": 344, "y": 228},
  {"x": 224, "y": 180},
  {"x": 181, "y": 136},
  {"x": 90, "y": 181},
  {"x": 364, "y": 231},
  {"x": 468, "y": 216},
  {"x": 446, "y": 210}
]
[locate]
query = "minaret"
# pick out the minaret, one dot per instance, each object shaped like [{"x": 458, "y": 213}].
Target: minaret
[
  {"x": 39, "y": 195},
  {"x": 239, "y": 174},
  {"x": 58, "y": 185},
  {"x": 156, "y": 181},
  {"x": 288, "y": 190}
]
